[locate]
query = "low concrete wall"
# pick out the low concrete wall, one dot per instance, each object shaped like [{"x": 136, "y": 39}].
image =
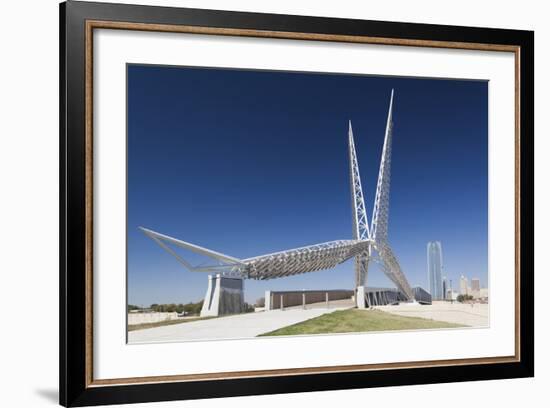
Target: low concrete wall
[
  {"x": 273, "y": 299},
  {"x": 140, "y": 318}
]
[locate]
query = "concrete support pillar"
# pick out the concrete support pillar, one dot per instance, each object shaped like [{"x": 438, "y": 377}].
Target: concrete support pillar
[
  {"x": 224, "y": 296},
  {"x": 326, "y": 298},
  {"x": 360, "y": 299},
  {"x": 304, "y": 300},
  {"x": 208, "y": 297},
  {"x": 268, "y": 300},
  {"x": 282, "y": 304}
]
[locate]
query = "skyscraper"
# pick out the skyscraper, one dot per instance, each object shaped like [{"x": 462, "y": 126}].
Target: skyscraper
[
  {"x": 435, "y": 265},
  {"x": 463, "y": 285},
  {"x": 476, "y": 288}
]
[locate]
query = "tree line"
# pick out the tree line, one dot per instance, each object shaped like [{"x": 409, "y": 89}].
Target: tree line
[
  {"x": 189, "y": 308},
  {"x": 464, "y": 298}
]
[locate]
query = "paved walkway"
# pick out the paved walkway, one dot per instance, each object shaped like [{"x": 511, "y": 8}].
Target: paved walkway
[
  {"x": 465, "y": 314},
  {"x": 230, "y": 327}
]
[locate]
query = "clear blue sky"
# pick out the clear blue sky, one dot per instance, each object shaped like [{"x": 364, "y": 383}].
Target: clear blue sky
[{"x": 252, "y": 162}]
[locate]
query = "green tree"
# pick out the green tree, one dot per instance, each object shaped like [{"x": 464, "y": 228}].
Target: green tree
[
  {"x": 464, "y": 298},
  {"x": 197, "y": 307},
  {"x": 133, "y": 307},
  {"x": 188, "y": 308}
]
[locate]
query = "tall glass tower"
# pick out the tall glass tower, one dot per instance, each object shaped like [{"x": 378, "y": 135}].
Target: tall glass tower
[{"x": 435, "y": 265}]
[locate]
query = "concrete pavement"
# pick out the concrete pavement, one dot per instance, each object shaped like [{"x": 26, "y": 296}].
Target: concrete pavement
[
  {"x": 230, "y": 327},
  {"x": 459, "y": 313}
]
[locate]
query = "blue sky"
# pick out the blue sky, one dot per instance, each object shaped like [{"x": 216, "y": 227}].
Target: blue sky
[{"x": 253, "y": 162}]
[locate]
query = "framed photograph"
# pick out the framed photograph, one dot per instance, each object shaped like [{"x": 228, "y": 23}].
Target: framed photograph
[{"x": 256, "y": 204}]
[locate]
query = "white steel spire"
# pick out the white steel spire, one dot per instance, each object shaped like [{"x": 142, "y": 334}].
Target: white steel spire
[
  {"x": 382, "y": 198},
  {"x": 359, "y": 211},
  {"x": 361, "y": 230},
  {"x": 379, "y": 227}
]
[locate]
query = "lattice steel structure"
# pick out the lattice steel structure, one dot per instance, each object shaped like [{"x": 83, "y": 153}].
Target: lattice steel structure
[
  {"x": 368, "y": 240},
  {"x": 379, "y": 229},
  {"x": 360, "y": 221}
]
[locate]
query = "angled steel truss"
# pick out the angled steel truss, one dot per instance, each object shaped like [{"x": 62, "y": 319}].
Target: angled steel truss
[
  {"x": 360, "y": 221},
  {"x": 379, "y": 228},
  {"x": 370, "y": 242},
  {"x": 276, "y": 265}
]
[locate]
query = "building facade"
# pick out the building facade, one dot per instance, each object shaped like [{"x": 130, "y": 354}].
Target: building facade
[
  {"x": 451, "y": 294},
  {"x": 476, "y": 288},
  {"x": 435, "y": 266},
  {"x": 463, "y": 285}
]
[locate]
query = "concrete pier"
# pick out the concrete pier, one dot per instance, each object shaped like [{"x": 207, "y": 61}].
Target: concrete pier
[{"x": 224, "y": 296}]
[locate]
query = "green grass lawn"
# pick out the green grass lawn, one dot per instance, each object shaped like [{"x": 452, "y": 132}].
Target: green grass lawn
[
  {"x": 354, "y": 320},
  {"x": 132, "y": 327}
]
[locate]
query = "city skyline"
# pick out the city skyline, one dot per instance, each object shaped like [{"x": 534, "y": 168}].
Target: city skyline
[{"x": 261, "y": 147}]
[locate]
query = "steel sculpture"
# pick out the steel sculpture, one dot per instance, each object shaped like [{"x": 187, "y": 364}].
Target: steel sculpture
[{"x": 370, "y": 242}]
